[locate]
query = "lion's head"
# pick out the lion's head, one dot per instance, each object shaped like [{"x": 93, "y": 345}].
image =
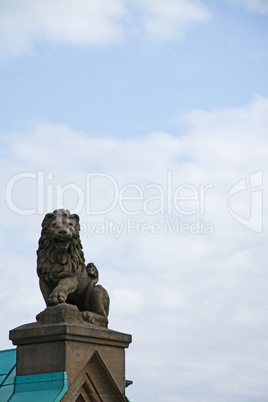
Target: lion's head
[{"x": 60, "y": 247}]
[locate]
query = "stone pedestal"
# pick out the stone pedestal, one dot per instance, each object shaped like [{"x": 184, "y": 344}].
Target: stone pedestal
[{"x": 93, "y": 357}]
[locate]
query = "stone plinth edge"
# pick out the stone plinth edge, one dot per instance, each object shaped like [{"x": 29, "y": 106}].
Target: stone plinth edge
[
  {"x": 88, "y": 333},
  {"x": 64, "y": 323}
]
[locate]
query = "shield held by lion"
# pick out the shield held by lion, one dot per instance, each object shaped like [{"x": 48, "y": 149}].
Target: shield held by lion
[{"x": 64, "y": 277}]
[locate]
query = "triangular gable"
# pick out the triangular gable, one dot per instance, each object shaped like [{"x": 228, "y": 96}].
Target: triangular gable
[{"x": 94, "y": 383}]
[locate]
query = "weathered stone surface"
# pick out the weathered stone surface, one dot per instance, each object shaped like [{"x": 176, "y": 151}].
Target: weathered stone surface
[
  {"x": 88, "y": 333},
  {"x": 48, "y": 348},
  {"x": 59, "y": 314},
  {"x": 64, "y": 277},
  {"x": 94, "y": 383}
]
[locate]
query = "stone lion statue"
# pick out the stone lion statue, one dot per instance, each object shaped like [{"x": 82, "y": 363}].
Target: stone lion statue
[{"x": 64, "y": 277}]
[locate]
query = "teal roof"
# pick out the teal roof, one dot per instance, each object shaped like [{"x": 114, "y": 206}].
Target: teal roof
[
  {"x": 7, "y": 373},
  {"x": 42, "y": 387}
]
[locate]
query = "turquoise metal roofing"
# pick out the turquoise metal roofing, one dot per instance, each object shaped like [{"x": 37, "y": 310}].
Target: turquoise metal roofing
[
  {"x": 39, "y": 387},
  {"x": 7, "y": 373},
  {"x": 42, "y": 388}
]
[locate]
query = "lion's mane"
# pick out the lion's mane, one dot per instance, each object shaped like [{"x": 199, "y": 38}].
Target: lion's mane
[{"x": 72, "y": 261}]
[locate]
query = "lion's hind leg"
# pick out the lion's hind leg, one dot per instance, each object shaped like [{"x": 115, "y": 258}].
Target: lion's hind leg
[{"x": 98, "y": 307}]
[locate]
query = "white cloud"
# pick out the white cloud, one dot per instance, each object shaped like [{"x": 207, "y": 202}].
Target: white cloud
[
  {"x": 255, "y": 6},
  {"x": 25, "y": 23},
  {"x": 234, "y": 131},
  {"x": 68, "y": 22},
  {"x": 169, "y": 19},
  {"x": 195, "y": 304}
]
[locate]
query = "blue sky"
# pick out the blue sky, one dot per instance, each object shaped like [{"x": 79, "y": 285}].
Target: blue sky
[
  {"x": 166, "y": 102},
  {"x": 137, "y": 84}
]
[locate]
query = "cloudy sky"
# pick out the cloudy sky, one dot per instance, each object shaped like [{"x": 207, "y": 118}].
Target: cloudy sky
[{"x": 149, "y": 119}]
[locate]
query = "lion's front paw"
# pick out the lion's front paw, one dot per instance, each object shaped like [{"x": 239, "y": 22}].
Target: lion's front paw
[{"x": 57, "y": 296}]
